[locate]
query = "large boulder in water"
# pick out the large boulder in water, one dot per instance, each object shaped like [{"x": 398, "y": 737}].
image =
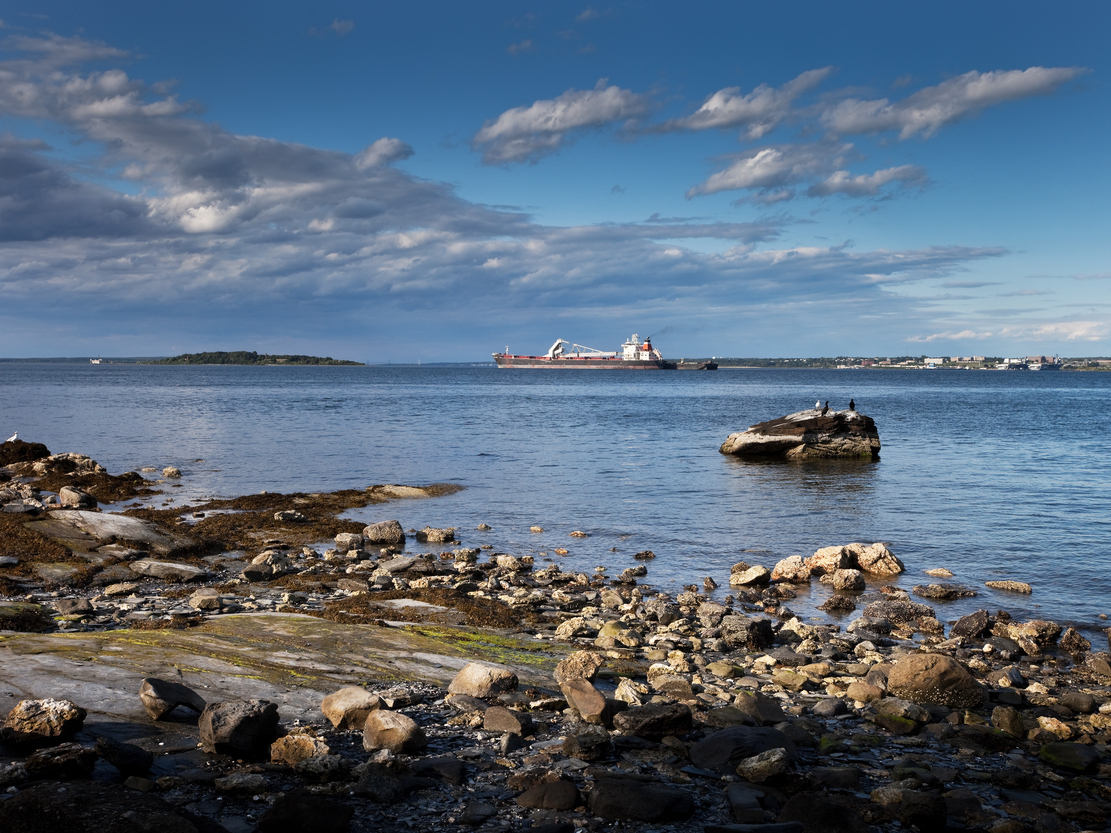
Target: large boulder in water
[{"x": 808, "y": 434}]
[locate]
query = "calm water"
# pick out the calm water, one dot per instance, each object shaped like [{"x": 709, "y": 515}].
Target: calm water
[{"x": 990, "y": 474}]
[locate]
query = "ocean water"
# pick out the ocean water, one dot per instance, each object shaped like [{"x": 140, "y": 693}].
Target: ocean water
[{"x": 992, "y": 475}]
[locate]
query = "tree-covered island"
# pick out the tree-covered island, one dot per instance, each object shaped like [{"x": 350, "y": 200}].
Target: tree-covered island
[{"x": 250, "y": 358}]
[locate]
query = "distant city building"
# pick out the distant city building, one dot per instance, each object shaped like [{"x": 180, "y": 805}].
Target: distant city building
[{"x": 933, "y": 361}]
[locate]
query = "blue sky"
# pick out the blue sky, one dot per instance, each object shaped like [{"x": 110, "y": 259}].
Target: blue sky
[{"x": 436, "y": 181}]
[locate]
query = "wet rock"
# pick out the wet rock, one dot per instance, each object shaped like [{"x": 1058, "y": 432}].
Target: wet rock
[
  {"x": 296, "y": 812},
  {"x": 394, "y": 731},
  {"x": 934, "y": 679},
  {"x": 1010, "y": 586},
  {"x": 19, "y": 451},
  {"x": 248, "y": 783},
  {"x": 348, "y": 708},
  {"x": 723, "y": 750},
  {"x": 431, "y": 535},
  {"x": 477, "y": 680},
  {"x": 242, "y": 729},
  {"x": 847, "y": 580},
  {"x": 943, "y": 592},
  {"x": 897, "y": 610},
  {"x": 639, "y": 800},
  {"x": 42, "y": 722},
  {"x": 322, "y": 769},
  {"x": 1073, "y": 643},
  {"x": 1035, "y": 637},
  {"x": 807, "y": 434},
  {"x": 973, "y": 626},
  {"x": 160, "y": 697},
  {"x": 385, "y": 534},
  {"x": 171, "y": 471}
]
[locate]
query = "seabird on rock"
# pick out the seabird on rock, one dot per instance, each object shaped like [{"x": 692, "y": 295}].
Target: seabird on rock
[
  {"x": 12, "y": 438},
  {"x": 852, "y": 405},
  {"x": 825, "y": 410},
  {"x": 817, "y": 404}
]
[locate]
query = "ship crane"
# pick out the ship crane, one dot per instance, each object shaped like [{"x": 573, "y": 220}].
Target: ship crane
[{"x": 578, "y": 350}]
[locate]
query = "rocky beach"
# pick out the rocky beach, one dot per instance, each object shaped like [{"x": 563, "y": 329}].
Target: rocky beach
[{"x": 262, "y": 663}]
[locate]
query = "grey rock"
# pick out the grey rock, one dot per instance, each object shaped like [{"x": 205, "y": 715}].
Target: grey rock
[
  {"x": 160, "y": 697},
  {"x": 243, "y": 729}
]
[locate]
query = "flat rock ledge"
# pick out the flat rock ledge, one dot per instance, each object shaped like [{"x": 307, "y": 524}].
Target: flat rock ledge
[{"x": 808, "y": 434}]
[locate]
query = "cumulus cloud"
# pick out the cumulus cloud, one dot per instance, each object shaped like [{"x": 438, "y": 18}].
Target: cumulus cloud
[
  {"x": 518, "y": 48},
  {"x": 867, "y": 185},
  {"x": 241, "y": 231},
  {"x": 529, "y": 133},
  {"x": 928, "y": 110},
  {"x": 1059, "y": 330},
  {"x": 759, "y": 112},
  {"x": 771, "y": 168}
]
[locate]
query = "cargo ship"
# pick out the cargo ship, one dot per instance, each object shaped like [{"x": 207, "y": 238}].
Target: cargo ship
[{"x": 634, "y": 355}]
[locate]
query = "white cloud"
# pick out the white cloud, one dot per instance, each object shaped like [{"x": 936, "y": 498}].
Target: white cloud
[
  {"x": 770, "y": 168},
  {"x": 517, "y": 48},
  {"x": 382, "y": 152},
  {"x": 866, "y": 185},
  {"x": 759, "y": 111},
  {"x": 963, "y": 335},
  {"x": 1060, "y": 330},
  {"x": 529, "y": 133},
  {"x": 928, "y": 110}
]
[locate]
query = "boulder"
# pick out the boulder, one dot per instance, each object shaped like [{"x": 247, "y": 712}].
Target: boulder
[
  {"x": 896, "y": 611},
  {"x": 477, "y": 680},
  {"x": 655, "y": 721},
  {"x": 42, "y": 722},
  {"x": 933, "y": 679},
  {"x": 160, "y": 697},
  {"x": 581, "y": 664},
  {"x": 743, "y": 633},
  {"x": 847, "y": 580},
  {"x": 829, "y": 559},
  {"x": 126, "y": 757},
  {"x": 67, "y": 760},
  {"x": 876, "y": 559},
  {"x": 639, "y": 799},
  {"x": 808, "y": 434},
  {"x": 753, "y": 576},
  {"x": 792, "y": 569},
  {"x": 385, "y": 534},
  {"x": 431, "y": 535},
  {"x": 18, "y": 451},
  {"x": 347, "y": 541},
  {"x": 394, "y": 731},
  {"x": 349, "y": 707},
  {"x": 240, "y": 728},
  {"x": 168, "y": 570},
  {"x": 501, "y": 719},
  {"x": 723, "y": 750},
  {"x": 292, "y": 749},
  {"x": 560, "y": 794},
  {"x": 75, "y": 498}
]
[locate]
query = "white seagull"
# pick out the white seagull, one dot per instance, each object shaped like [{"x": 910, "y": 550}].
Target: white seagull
[
  {"x": 12, "y": 438},
  {"x": 818, "y": 405}
]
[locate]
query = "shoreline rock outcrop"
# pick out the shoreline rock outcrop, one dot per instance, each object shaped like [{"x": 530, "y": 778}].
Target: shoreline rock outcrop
[{"x": 808, "y": 435}]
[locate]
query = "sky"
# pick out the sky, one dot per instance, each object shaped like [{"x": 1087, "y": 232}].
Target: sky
[{"x": 437, "y": 181}]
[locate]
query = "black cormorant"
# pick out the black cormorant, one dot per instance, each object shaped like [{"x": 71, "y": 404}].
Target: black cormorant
[
  {"x": 852, "y": 405},
  {"x": 825, "y": 410}
]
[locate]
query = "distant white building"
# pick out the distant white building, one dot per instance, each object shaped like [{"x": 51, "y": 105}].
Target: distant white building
[{"x": 939, "y": 361}]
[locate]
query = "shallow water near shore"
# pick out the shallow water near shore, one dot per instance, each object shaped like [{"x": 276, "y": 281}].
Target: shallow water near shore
[{"x": 992, "y": 475}]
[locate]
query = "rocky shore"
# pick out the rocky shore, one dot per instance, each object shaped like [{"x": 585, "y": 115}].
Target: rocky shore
[{"x": 229, "y": 672}]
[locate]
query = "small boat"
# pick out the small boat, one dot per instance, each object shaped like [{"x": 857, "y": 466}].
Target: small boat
[{"x": 634, "y": 355}]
